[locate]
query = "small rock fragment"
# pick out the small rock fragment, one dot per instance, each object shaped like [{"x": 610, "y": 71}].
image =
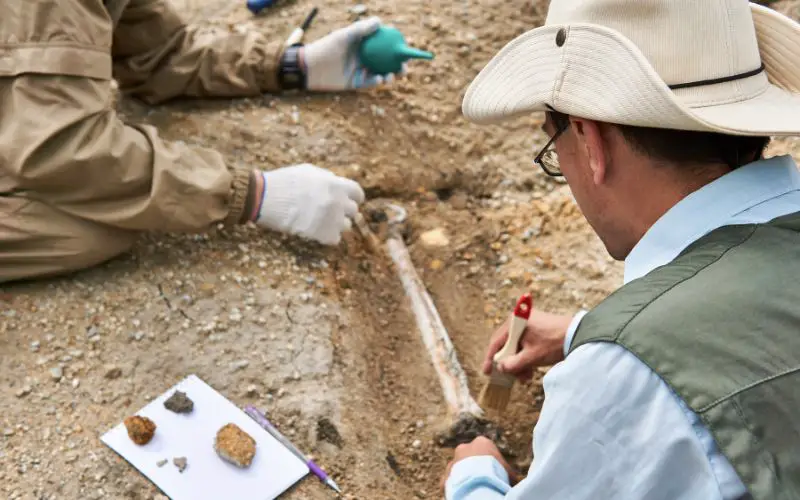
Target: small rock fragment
[
  {"x": 435, "y": 238},
  {"x": 358, "y": 9},
  {"x": 113, "y": 372},
  {"x": 239, "y": 365},
  {"x": 140, "y": 429},
  {"x": 56, "y": 372},
  {"x": 417, "y": 443},
  {"x": 180, "y": 463},
  {"x": 235, "y": 446},
  {"x": 24, "y": 391},
  {"x": 179, "y": 403},
  {"x": 162, "y": 463}
]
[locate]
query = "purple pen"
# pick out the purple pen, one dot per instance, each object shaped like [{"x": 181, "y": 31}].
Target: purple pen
[{"x": 261, "y": 419}]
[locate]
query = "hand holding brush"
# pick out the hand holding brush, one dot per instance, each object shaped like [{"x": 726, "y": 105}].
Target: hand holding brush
[
  {"x": 498, "y": 391},
  {"x": 539, "y": 343}
]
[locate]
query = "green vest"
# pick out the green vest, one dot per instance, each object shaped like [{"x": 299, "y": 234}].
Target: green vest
[{"x": 720, "y": 325}]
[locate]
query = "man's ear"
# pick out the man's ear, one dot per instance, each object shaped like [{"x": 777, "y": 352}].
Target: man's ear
[{"x": 591, "y": 139}]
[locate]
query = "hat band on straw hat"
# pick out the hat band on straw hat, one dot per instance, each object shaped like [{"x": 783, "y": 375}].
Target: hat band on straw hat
[{"x": 714, "y": 81}]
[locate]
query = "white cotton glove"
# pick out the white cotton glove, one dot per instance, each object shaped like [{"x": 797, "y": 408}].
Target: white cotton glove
[
  {"x": 310, "y": 202},
  {"x": 332, "y": 62}
]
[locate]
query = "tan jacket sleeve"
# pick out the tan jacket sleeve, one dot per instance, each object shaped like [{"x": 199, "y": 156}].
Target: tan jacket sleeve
[
  {"x": 67, "y": 147},
  {"x": 157, "y": 56}
]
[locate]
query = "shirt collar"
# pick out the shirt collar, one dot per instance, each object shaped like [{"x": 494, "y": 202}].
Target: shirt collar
[{"x": 710, "y": 207}]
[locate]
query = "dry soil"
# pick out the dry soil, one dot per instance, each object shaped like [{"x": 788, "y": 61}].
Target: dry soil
[{"x": 320, "y": 338}]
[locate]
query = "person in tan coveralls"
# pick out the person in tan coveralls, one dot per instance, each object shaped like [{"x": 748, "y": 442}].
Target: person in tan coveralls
[{"x": 77, "y": 185}]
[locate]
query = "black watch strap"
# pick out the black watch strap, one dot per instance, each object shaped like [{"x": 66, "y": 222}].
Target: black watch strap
[{"x": 292, "y": 75}]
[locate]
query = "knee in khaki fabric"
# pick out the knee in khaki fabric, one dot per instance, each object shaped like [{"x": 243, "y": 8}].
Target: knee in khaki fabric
[{"x": 37, "y": 240}]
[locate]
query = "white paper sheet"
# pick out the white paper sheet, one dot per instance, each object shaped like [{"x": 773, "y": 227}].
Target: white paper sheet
[{"x": 206, "y": 477}]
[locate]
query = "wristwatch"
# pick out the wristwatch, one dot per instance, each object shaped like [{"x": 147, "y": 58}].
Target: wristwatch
[{"x": 292, "y": 74}]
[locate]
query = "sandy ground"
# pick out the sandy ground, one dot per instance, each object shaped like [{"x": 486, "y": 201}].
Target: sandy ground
[{"x": 320, "y": 338}]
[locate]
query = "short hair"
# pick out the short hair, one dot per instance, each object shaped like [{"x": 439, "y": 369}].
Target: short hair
[{"x": 684, "y": 146}]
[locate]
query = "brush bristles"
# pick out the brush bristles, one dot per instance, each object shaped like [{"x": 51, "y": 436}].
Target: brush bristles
[{"x": 497, "y": 392}]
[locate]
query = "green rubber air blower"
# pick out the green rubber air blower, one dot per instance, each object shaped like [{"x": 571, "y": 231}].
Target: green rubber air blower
[{"x": 385, "y": 51}]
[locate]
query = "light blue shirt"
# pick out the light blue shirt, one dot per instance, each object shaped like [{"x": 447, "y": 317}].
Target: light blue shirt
[{"x": 609, "y": 426}]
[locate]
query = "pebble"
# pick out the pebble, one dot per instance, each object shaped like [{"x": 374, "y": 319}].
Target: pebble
[
  {"x": 8, "y": 432},
  {"x": 180, "y": 463},
  {"x": 113, "y": 372},
  {"x": 251, "y": 391},
  {"x": 56, "y": 373},
  {"x": 435, "y": 238},
  {"x": 239, "y": 365},
  {"x": 417, "y": 443},
  {"x": 162, "y": 463},
  {"x": 75, "y": 383},
  {"x": 24, "y": 391},
  {"x": 235, "y": 316},
  {"x": 528, "y": 234},
  {"x": 35, "y": 346},
  {"x": 358, "y": 9}
]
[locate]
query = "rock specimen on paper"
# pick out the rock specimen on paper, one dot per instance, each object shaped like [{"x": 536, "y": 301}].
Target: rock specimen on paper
[
  {"x": 235, "y": 446},
  {"x": 180, "y": 463},
  {"x": 140, "y": 429},
  {"x": 179, "y": 403}
]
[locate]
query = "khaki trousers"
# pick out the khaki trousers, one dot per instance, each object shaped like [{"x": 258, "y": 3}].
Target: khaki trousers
[{"x": 38, "y": 241}]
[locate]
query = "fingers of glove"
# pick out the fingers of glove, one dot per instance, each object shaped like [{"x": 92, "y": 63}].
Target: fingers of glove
[
  {"x": 363, "y": 79},
  {"x": 352, "y": 189},
  {"x": 350, "y": 209},
  {"x": 365, "y": 27},
  {"x": 328, "y": 235}
]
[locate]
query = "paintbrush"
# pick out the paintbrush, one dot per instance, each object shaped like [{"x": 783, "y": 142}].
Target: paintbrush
[{"x": 497, "y": 392}]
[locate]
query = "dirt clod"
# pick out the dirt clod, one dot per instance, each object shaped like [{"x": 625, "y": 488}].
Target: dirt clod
[
  {"x": 392, "y": 461},
  {"x": 235, "y": 446},
  {"x": 179, "y": 402},
  {"x": 140, "y": 429},
  {"x": 467, "y": 428},
  {"x": 326, "y": 431}
]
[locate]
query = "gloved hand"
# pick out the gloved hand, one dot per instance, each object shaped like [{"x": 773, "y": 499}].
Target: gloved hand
[
  {"x": 310, "y": 202},
  {"x": 332, "y": 62}
]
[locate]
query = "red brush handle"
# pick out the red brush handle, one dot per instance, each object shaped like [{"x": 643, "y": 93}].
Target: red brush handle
[{"x": 524, "y": 306}]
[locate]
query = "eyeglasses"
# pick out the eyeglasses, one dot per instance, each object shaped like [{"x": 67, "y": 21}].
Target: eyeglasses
[{"x": 547, "y": 157}]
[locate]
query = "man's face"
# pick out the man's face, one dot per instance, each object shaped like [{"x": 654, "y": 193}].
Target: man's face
[{"x": 584, "y": 156}]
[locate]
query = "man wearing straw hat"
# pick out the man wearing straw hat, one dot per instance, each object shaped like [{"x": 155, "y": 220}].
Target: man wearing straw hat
[{"x": 684, "y": 382}]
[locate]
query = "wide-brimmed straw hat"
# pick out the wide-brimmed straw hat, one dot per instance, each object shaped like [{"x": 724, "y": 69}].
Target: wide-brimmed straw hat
[{"x": 708, "y": 65}]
